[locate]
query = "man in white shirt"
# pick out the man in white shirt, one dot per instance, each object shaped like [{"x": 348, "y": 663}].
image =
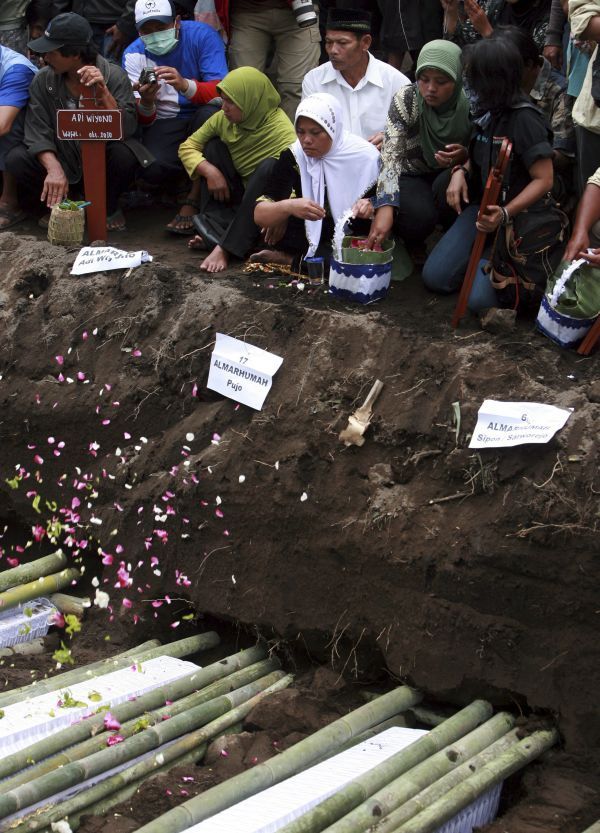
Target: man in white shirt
[{"x": 363, "y": 85}]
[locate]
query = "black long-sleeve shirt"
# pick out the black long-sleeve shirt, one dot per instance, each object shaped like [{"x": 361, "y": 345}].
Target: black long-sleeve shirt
[{"x": 101, "y": 12}]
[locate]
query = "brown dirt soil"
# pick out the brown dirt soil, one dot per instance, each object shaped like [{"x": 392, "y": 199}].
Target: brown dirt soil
[{"x": 382, "y": 572}]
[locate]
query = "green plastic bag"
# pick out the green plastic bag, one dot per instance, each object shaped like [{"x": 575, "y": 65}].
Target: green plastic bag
[
  {"x": 581, "y": 296},
  {"x": 351, "y": 254}
]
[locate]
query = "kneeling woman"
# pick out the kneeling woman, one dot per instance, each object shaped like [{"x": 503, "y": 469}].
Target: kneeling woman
[
  {"x": 427, "y": 129},
  {"x": 528, "y": 216},
  {"x": 233, "y": 153},
  {"x": 326, "y": 173}
]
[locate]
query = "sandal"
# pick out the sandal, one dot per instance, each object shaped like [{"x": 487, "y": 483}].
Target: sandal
[
  {"x": 10, "y": 217},
  {"x": 183, "y": 223}
]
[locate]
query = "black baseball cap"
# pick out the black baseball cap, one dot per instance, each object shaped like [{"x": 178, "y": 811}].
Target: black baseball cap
[{"x": 68, "y": 29}]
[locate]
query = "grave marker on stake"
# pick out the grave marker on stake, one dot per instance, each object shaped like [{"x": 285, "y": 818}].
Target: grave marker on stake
[{"x": 92, "y": 127}]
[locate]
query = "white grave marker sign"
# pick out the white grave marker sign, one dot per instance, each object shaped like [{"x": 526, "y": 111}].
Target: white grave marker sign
[
  {"x": 104, "y": 258},
  {"x": 242, "y": 371},
  {"x": 504, "y": 424}
]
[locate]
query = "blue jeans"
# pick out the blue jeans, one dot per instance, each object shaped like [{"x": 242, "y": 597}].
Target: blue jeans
[{"x": 445, "y": 268}]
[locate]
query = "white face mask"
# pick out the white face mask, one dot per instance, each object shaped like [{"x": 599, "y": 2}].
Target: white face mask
[{"x": 160, "y": 43}]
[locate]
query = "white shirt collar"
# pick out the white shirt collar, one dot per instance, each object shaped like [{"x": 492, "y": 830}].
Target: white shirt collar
[{"x": 371, "y": 76}]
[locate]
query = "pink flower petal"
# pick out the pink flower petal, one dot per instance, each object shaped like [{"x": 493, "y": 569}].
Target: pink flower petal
[{"x": 111, "y": 722}]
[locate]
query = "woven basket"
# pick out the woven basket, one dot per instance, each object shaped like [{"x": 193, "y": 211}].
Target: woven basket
[{"x": 66, "y": 227}]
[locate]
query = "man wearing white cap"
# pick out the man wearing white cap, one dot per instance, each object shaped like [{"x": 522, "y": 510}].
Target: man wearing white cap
[{"x": 175, "y": 67}]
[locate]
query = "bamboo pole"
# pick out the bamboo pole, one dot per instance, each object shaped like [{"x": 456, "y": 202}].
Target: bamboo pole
[
  {"x": 136, "y": 772},
  {"x": 515, "y": 758},
  {"x": 399, "y": 790},
  {"x": 145, "y": 741},
  {"x": 299, "y": 756},
  {"x": 39, "y": 587},
  {"x": 359, "y": 789},
  {"x": 130, "y": 727},
  {"x": 11, "y": 764},
  {"x": 439, "y": 788},
  {"x": 180, "y": 648},
  {"x": 429, "y": 716},
  {"x": 70, "y": 604},
  {"x": 26, "y": 573},
  {"x": 104, "y": 805},
  {"x": 14, "y": 695}
]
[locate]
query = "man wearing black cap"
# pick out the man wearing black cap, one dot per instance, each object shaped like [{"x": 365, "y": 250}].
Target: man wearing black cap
[
  {"x": 363, "y": 85},
  {"x": 45, "y": 164}
]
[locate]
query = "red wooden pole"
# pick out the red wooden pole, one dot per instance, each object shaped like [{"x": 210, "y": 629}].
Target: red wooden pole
[
  {"x": 93, "y": 157},
  {"x": 591, "y": 339},
  {"x": 490, "y": 197}
]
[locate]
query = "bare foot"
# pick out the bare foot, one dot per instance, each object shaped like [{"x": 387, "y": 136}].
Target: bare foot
[
  {"x": 116, "y": 221},
  {"x": 272, "y": 256},
  {"x": 217, "y": 261},
  {"x": 198, "y": 242}
]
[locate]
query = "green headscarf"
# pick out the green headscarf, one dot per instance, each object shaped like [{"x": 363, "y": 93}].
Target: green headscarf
[
  {"x": 265, "y": 130},
  {"x": 253, "y": 93},
  {"x": 448, "y": 124}
]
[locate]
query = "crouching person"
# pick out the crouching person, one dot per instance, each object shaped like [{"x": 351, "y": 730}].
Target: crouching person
[
  {"x": 233, "y": 155},
  {"x": 16, "y": 74},
  {"x": 45, "y": 165}
]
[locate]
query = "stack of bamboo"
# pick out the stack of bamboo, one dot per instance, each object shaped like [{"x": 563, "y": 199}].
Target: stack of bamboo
[
  {"x": 38, "y": 578},
  {"x": 73, "y": 770},
  {"x": 417, "y": 790},
  {"x": 24, "y": 613}
]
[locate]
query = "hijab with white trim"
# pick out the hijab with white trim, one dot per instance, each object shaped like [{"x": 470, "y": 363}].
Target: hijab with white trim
[{"x": 348, "y": 170}]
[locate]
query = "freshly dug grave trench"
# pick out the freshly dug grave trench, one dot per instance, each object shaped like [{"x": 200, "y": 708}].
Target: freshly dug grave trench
[{"x": 361, "y": 558}]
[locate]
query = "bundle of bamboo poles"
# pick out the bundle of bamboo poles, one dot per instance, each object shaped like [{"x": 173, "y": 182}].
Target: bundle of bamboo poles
[
  {"x": 38, "y": 578},
  {"x": 142, "y": 653},
  {"x": 199, "y": 707},
  {"x": 415, "y": 791}
]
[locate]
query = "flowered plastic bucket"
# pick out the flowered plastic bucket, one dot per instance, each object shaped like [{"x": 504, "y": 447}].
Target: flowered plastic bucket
[
  {"x": 562, "y": 329},
  {"x": 363, "y": 276}
]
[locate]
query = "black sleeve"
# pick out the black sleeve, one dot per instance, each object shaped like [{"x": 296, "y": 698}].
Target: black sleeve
[
  {"x": 284, "y": 180},
  {"x": 531, "y": 137}
]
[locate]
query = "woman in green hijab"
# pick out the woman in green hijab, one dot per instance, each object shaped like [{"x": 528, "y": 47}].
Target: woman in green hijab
[
  {"x": 427, "y": 131},
  {"x": 233, "y": 154}
]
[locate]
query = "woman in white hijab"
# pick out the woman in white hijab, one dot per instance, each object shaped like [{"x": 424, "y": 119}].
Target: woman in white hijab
[{"x": 327, "y": 173}]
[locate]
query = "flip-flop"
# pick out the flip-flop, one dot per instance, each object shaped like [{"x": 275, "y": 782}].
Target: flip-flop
[
  {"x": 184, "y": 231},
  {"x": 179, "y": 219},
  {"x": 12, "y": 216}
]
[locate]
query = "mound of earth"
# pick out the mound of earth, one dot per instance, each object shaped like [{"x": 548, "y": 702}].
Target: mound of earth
[{"x": 465, "y": 573}]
